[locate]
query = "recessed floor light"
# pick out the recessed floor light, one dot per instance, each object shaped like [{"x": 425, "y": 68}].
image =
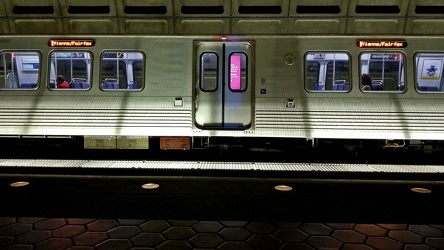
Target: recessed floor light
[
  {"x": 283, "y": 188},
  {"x": 19, "y": 184},
  {"x": 150, "y": 186},
  {"x": 421, "y": 190}
]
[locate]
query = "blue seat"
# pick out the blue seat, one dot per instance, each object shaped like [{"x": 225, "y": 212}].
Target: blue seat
[
  {"x": 340, "y": 85},
  {"x": 76, "y": 85},
  {"x": 376, "y": 85},
  {"x": 28, "y": 85},
  {"x": 428, "y": 88},
  {"x": 52, "y": 84},
  {"x": 432, "y": 88},
  {"x": 318, "y": 86},
  {"x": 107, "y": 85},
  {"x": 110, "y": 84},
  {"x": 80, "y": 85}
]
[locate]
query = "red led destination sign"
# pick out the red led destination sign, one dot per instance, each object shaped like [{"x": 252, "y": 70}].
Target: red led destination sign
[
  {"x": 70, "y": 43},
  {"x": 381, "y": 44}
]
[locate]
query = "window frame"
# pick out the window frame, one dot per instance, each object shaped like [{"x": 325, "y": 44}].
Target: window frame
[
  {"x": 402, "y": 76},
  {"x": 126, "y": 70},
  {"x": 324, "y": 68},
  {"x": 201, "y": 72},
  {"x": 241, "y": 90},
  {"x": 88, "y": 81},
  {"x": 39, "y": 71},
  {"x": 417, "y": 71}
]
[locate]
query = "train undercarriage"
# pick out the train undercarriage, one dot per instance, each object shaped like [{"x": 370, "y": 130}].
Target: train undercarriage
[{"x": 252, "y": 149}]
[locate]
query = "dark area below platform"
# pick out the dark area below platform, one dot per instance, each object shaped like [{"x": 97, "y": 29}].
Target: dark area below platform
[{"x": 232, "y": 150}]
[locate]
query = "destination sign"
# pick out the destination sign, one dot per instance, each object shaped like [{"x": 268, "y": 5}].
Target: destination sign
[
  {"x": 381, "y": 44},
  {"x": 71, "y": 43}
]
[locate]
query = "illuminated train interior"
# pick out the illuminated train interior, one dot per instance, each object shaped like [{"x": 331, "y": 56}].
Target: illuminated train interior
[
  {"x": 324, "y": 71},
  {"x": 124, "y": 70}
]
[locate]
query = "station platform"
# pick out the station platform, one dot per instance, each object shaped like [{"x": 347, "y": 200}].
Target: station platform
[
  {"x": 108, "y": 204},
  {"x": 222, "y": 190}
]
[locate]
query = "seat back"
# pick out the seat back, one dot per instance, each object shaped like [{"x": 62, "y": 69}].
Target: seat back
[
  {"x": 79, "y": 83},
  {"x": 339, "y": 85},
  {"x": 110, "y": 84},
  {"x": 376, "y": 85},
  {"x": 319, "y": 86},
  {"x": 52, "y": 83},
  {"x": 428, "y": 88},
  {"x": 28, "y": 85}
]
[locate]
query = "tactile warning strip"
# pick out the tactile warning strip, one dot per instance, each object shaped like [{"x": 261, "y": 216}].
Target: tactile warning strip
[{"x": 189, "y": 165}]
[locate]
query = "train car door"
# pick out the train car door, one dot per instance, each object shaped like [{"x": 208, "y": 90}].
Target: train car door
[{"x": 224, "y": 86}]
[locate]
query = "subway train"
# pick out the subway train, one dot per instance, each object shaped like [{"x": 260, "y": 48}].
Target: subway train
[{"x": 189, "y": 91}]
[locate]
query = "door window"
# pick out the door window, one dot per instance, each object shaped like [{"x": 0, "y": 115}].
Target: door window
[
  {"x": 238, "y": 72},
  {"x": 209, "y": 72}
]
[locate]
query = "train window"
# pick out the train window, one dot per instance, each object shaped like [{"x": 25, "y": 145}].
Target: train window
[
  {"x": 238, "y": 72},
  {"x": 122, "y": 70},
  {"x": 385, "y": 70},
  {"x": 70, "y": 70},
  {"x": 209, "y": 71},
  {"x": 19, "y": 70},
  {"x": 429, "y": 70},
  {"x": 327, "y": 72}
]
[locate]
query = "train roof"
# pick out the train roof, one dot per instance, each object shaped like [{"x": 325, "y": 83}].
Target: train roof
[{"x": 222, "y": 17}]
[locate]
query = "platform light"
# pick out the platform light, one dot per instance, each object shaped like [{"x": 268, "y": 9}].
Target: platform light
[
  {"x": 421, "y": 190},
  {"x": 283, "y": 188},
  {"x": 150, "y": 186},
  {"x": 19, "y": 184}
]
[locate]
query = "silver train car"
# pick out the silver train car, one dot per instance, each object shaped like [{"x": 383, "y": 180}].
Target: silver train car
[{"x": 126, "y": 90}]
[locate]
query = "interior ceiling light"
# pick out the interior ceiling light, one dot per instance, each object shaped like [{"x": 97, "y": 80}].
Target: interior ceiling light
[
  {"x": 421, "y": 190},
  {"x": 150, "y": 186},
  {"x": 19, "y": 184},
  {"x": 283, "y": 188}
]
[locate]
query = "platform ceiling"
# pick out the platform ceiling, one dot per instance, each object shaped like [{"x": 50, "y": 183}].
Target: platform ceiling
[{"x": 222, "y": 17}]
